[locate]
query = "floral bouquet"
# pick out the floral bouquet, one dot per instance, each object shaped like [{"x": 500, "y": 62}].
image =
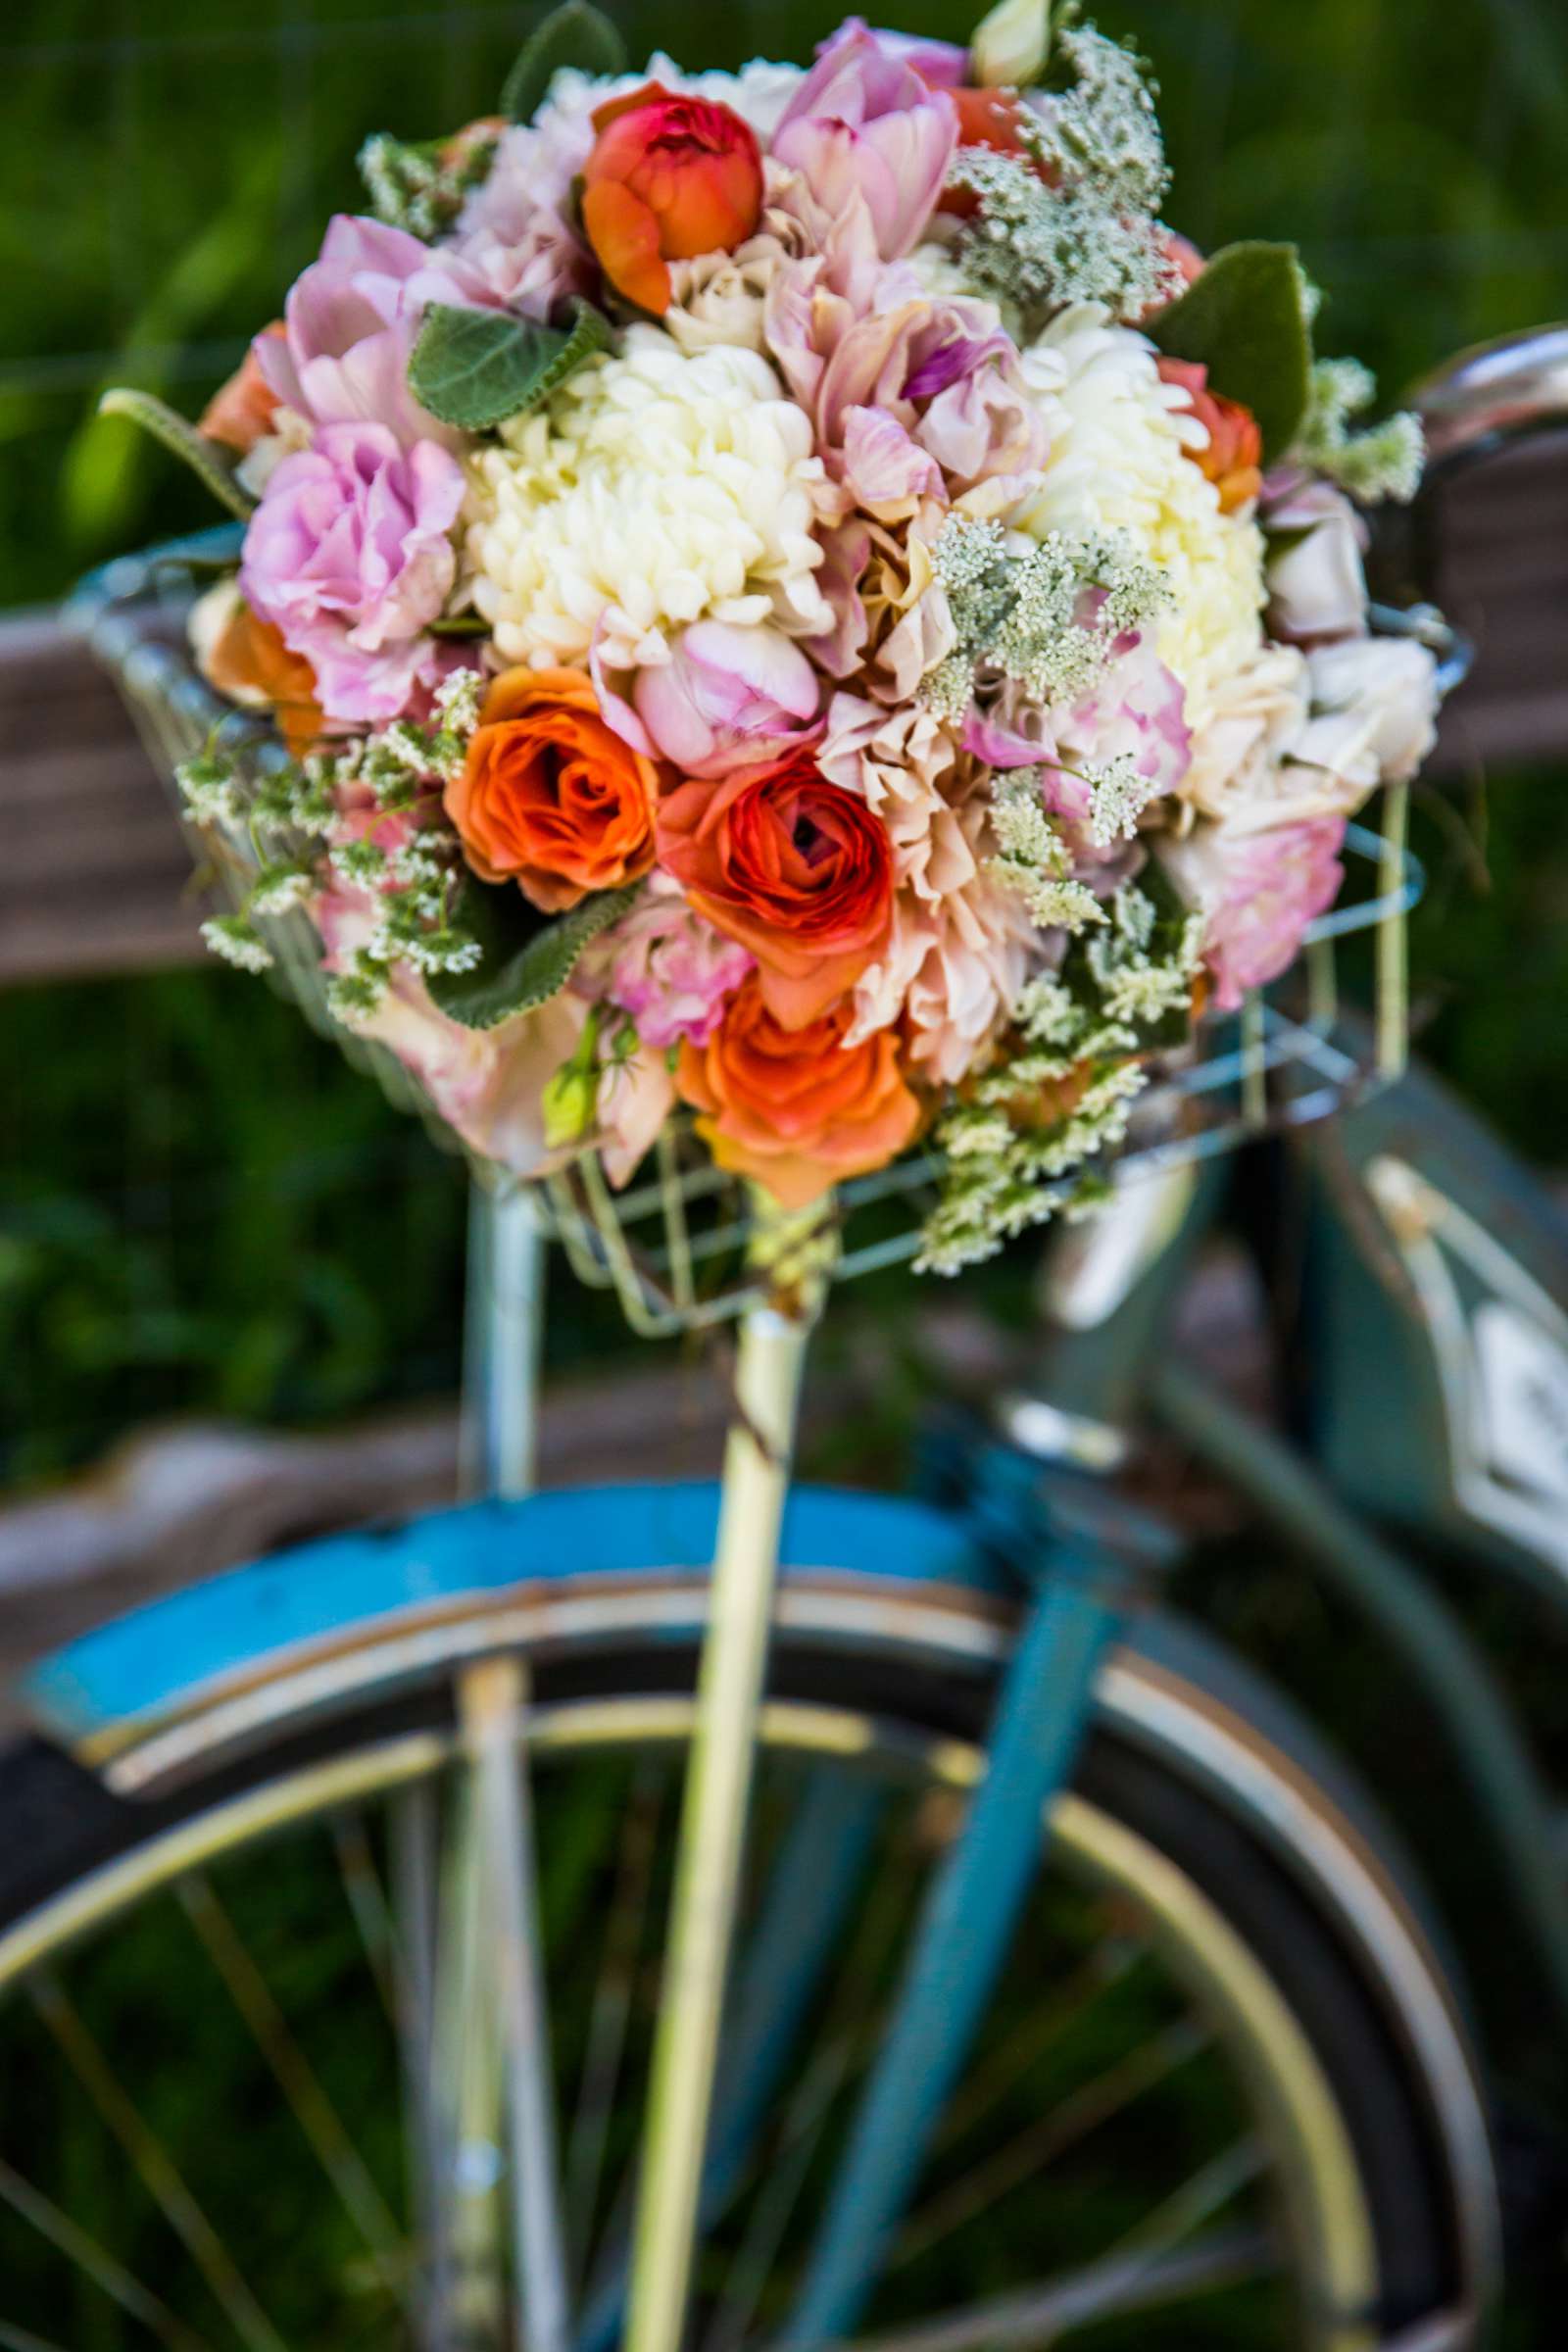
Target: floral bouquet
[{"x": 794, "y": 601}]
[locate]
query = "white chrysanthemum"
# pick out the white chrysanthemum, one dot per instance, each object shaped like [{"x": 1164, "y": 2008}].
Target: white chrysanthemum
[
  {"x": 655, "y": 489},
  {"x": 1117, "y": 462}
]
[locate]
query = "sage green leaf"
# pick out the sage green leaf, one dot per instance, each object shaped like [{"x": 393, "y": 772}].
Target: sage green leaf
[
  {"x": 576, "y": 34},
  {"x": 522, "y": 962},
  {"x": 206, "y": 458},
  {"x": 1243, "y": 320},
  {"x": 475, "y": 368},
  {"x": 459, "y": 624}
]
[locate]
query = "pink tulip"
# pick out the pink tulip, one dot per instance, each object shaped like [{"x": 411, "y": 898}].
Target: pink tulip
[
  {"x": 728, "y": 697},
  {"x": 865, "y": 124}
]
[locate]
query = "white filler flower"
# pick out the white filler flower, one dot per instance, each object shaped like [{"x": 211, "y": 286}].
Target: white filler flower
[
  {"x": 655, "y": 489},
  {"x": 1116, "y": 462}
]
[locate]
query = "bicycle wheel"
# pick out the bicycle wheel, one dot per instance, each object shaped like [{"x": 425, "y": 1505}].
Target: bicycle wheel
[{"x": 1220, "y": 2095}]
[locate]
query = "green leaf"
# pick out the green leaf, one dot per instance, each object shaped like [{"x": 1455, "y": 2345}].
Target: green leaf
[
  {"x": 209, "y": 460},
  {"x": 522, "y": 962},
  {"x": 459, "y": 624},
  {"x": 1243, "y": 320},
  {"x": 475, "y": 368},
  {"x": 577, "y": 35}
]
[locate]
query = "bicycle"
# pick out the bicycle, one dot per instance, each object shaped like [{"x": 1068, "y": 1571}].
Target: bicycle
[{"x": 388, "y": 1777}]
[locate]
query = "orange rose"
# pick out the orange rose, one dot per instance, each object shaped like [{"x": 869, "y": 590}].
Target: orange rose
[
  {"x": 550, "y": 798},
  {"x": 795, "y": 868},
  {"x": 670, "y": 178},
  {"x": 796, "y": 1109},
  {"x": 241, "y": 411},
  {"x": 248, "y": 660},
  {"x": 1233, "y": 458}
]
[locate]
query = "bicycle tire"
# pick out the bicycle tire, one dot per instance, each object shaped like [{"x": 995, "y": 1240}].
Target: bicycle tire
[{"x": 1421, "y": 2161}]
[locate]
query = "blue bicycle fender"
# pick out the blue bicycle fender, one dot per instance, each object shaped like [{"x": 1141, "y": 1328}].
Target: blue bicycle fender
[{"x": 124, "y": 1675}]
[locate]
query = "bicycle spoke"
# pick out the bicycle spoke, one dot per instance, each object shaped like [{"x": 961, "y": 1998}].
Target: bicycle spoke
[
  {"x": 295, "y": 2076},
  {"x": 848, "y": 2035},
  {"x": 1209, "y": 2189},
  {"x": 415, "y": 1836},
  {"x": 366, "y": 1900},
  {"x": 17, "y": 2340},
  {"x": 156, "y": 2167},
  {"x": 884, "y": 1911},
  {"x": 804, "y": 2124},
  {"x": 611, "y": 2015},
  {"x": 468, "y": 2285},
  {"x": 1115, "y": 2286},
  {"x": 1016, "y": 2161},
  {"x": 95, "y": 2262},
  {"x": 998, "y": 2076},
  {"x": 493, "y": 1698}
]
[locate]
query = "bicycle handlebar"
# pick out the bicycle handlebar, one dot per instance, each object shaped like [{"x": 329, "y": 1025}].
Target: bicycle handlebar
[{"x": 1494, "y": 391}]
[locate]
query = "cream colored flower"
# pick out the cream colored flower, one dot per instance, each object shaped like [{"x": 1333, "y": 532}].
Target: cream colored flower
[
  {"x": 719, "y": 298},
  {"x": 1256, "y": 717},
  {"x": 655, "y": 489},
  {"x": 1117, "y": 462}
]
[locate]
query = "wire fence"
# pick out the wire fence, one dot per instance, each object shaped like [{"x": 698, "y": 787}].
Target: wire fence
[{"x": 198, "y": 1206}]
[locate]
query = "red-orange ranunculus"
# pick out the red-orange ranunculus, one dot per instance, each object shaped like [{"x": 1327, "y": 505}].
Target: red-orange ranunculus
[
  {"x": 550, "y": 798},
  {"x": 796, "y": 1109},
  {"x": 241, "y": 411},
  {"x": 668, "y": 178},
  {"x": 1233, "y": 458},
  {"x": 249, "y": 662},
  {"x": 795, "y": 868}
]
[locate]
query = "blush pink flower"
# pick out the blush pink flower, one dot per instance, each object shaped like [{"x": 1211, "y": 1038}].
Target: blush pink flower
[
  {"x": 349, "y": 555},
  {"x": 667, "y": 967},
  {"x": 350, "y": 325},
  {"x": 487, "y": 1084},
  {"x": 1267, "y": 888},
  {"x": 913, "y": 395},
  {"x": 866, "y": 125},
  {"x": 727, "y": 696},
  {"x": 941, "y": 65},
  {"x": 515, "y": 242},
  {"x": 953, "y": 966}
]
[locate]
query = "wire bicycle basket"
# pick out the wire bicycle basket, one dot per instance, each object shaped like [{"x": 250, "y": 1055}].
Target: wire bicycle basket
[{"x": 674, "y": 1246}]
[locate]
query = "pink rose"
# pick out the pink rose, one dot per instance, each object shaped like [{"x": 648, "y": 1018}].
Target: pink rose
[
  {"x": 667, "y": 967},
  {"x": 864, "y": 123},
  {"x": 727, "y": 695},
  {"x": 1270, "y": 887},
  {"x": 348, "y": 556}
]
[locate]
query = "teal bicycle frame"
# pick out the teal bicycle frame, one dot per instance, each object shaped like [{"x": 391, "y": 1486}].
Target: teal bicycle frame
[{"x": 1432, "y": 1356}]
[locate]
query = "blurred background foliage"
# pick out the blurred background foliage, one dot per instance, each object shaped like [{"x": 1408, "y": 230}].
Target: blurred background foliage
[{"x": 199, "y": 1207}]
